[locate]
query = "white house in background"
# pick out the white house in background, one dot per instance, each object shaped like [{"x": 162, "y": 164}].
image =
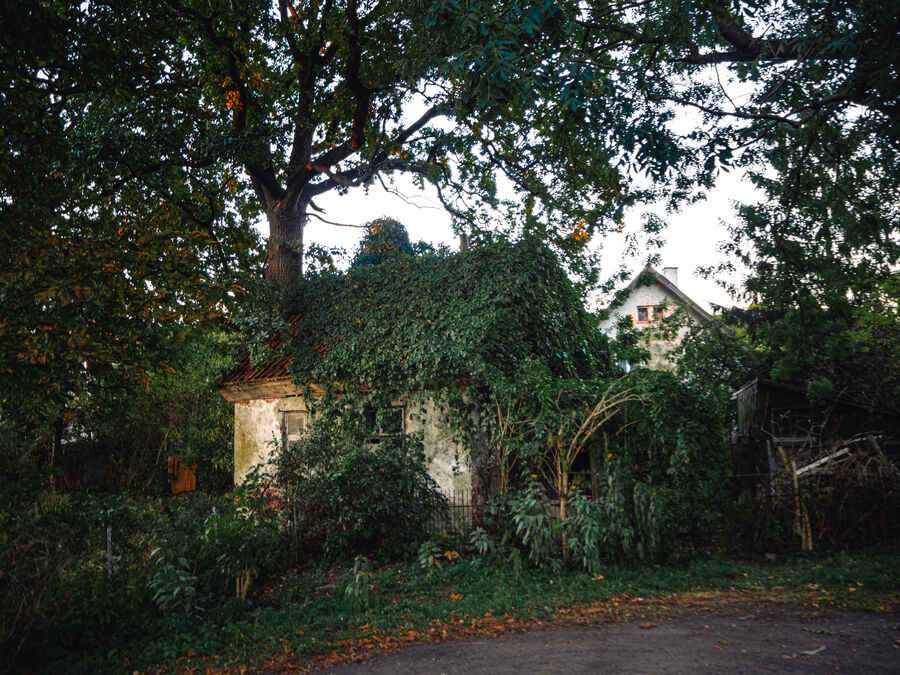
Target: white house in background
[{"x": 648, "y": 303}]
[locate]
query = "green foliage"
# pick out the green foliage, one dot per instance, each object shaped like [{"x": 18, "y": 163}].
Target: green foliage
[
  {"x": 585, "y": 533},
  {"x": 452, "y": 325},
  {"x": 720, "y": 355},
  {"x": 117, "y": 433},
  {"x": 534, "y": 526},
  {"x": 661, "y": 464},
  {"x": 305, "y": 99},
  {"x": 357, "y": 498},
  {"x": 171, "y": 564},
  {"x": 664, "y": 470},
  {"x": 385, "y": 237},
  {"x": 428, "y": 555},
  {"x": 359, "y": 588},
  {"x": 103, "y": 265},
  {"x": 627, "y": 345},
  {"x": 438, "y": 321},
  {"x": 481, "y": 542},
  {"x": 816, "y": 131},
  {"x": 312, "y": 609},
  {"x": 209, "y": 541},
  {"x": 175, "y": 588}
]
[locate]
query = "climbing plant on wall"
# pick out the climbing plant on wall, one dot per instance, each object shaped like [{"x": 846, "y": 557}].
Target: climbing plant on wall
[{"x": 443, "y": 323}]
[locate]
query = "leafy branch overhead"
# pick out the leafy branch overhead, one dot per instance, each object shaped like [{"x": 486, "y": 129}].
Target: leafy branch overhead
[
  {"x": 148, "y": 137},
  {"x": 802, "y": 97}
]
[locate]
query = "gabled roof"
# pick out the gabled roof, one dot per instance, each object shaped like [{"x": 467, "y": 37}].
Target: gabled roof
[{"x": 667, "y": 284}]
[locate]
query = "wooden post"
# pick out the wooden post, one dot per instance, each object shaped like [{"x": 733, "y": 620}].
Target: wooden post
[
  {"x": 109, "y": 549},
  {"x": 801, "y": 516}
]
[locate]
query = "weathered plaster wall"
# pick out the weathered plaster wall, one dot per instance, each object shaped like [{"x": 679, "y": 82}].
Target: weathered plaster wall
[
  {"x": 659, "y": 352},
  {"x": 257, "y": 430},
  {"x": 448, "y": 462}
]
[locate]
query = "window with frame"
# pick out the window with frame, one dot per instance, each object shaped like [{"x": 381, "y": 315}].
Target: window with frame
[
  {"x": 648, "y": 313},
  {"x": 380, "y": 423},
  {"x": 294, "y": 425}
]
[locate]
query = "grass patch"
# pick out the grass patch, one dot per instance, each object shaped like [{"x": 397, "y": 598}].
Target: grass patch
[{"x": 309, "y": 617}]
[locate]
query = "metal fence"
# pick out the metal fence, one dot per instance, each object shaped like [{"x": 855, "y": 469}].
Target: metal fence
[
  {"x": 461, "y": 514},
  {"x": 459, "y": 517}
]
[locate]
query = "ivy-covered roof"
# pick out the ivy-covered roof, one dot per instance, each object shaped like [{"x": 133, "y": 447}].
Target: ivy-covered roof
[{"x": 435, "y": 320}]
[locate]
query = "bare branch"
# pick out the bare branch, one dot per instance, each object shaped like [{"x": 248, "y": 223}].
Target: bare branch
[
  {"x": 400, "y": 195},
  {"x": 329, "y": 222}
]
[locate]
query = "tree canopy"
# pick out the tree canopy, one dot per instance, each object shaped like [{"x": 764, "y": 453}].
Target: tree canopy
[
  {"x": 801, "y": 96},
  {"x": 142, "y": 139},
  {"x": 384, "y": 237},
  {"x": 280, "y": 102},
  {"x": 111, "y": 252}
]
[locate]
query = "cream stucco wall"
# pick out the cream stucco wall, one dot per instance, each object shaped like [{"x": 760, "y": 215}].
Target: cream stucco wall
[
  {"x": 257, "y": 432},
  {"x": 654, "y": 294},
  {"x": 448, "y": 462}
]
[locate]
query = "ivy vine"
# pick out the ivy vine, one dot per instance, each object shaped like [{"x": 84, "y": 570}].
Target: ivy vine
[{"x": 442, "y": 323}]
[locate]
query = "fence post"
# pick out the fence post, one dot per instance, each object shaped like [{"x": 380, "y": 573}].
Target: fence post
[{"x": 108, "y": 548}]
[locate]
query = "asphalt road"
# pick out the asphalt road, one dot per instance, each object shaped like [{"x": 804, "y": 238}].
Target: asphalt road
[{"x": 738, "y": 639}]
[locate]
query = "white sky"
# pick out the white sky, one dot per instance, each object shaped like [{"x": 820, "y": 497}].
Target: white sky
[{"x": 692, "y": 238}]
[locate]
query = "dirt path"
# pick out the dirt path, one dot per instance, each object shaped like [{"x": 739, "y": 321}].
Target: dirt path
[{"x": 735, "y": 639}]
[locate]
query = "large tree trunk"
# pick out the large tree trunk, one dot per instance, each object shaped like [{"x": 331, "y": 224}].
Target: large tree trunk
[{"x": 284, "y": 264}]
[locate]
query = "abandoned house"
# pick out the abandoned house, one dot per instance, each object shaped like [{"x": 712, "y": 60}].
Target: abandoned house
[
  {"x": 415, "y": 325},
  {"x": 649, "y": 297}
]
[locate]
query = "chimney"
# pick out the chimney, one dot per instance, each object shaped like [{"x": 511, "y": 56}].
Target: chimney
[
  {"x": 671, "y": 273},
  {"x": 463, "y": 242}
]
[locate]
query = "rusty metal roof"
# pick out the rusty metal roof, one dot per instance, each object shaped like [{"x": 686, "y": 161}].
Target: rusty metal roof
[{"x": 274, "y": 370}]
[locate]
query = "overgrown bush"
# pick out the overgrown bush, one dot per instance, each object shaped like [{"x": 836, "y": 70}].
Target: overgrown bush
[
  {"x": 658, "y": 467},
  {"x": 353, "y": 498},
  {"x": 663, "y": 473},
  {"x": 54, "y": 564},
  {"x": 167, "y": 562},
  {"x": 116, "y": 434},
  {"x": 203, "y": 544}
]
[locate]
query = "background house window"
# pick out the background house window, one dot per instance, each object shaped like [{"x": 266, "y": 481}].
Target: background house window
[
  {"x": 294, "y": 425},
  {"x": 649, "y": 313}
]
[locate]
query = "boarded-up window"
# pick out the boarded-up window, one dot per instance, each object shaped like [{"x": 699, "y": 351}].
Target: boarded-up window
[
  {"x": 181, "y": 477},
  {"x": 294, "y": 425}
]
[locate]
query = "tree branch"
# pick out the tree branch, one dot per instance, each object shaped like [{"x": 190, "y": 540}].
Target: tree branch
[{"x": 746, "y": 47}]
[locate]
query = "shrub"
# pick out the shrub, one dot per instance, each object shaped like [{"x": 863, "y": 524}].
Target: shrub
[
  {"x": 659, "y": 468},
  {"x": 355, "y": 498},
  {"x": 204, "y": 543},
  {"x": 171, "y": 562},
  {"x": 54, "y": 577},
  {"x": 663, "y": 474}
]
